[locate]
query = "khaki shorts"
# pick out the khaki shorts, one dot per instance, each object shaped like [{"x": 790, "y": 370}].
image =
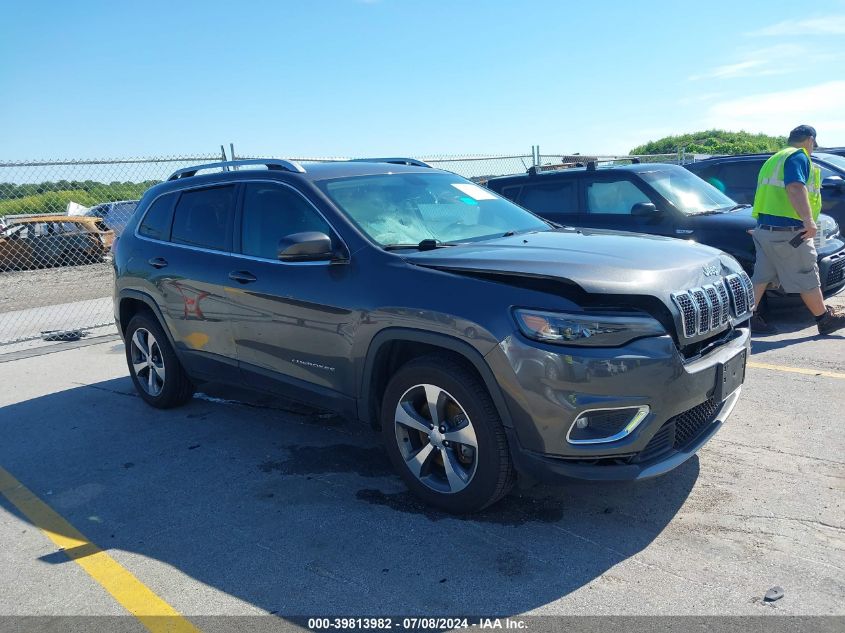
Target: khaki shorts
[{"x": 779, "y": 263}]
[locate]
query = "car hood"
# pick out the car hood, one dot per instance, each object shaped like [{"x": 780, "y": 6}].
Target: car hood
[
  {"x": 606, "y": 262},
  {"x": 741, "y": 219}
]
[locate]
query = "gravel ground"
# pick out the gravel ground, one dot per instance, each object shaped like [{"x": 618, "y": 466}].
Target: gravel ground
[{"x": 24, "y": 289}]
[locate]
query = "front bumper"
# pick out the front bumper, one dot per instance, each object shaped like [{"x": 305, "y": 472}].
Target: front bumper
[
  {"x": 832, "y": 271},
  {"x": 549, "y": 468},
  {"x": 545, "y": 391}
]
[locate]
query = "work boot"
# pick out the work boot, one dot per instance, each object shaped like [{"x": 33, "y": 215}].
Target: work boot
[
  {"x": 759, "y": 325},
  {"x": 830, "y": 321}
]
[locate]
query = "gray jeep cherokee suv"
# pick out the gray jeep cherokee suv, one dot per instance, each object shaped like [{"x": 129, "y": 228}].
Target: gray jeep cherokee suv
[{"x": 482, "y": 340}]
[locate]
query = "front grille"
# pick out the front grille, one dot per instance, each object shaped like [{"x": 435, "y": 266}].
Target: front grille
[
  {"x": 662, "y": 442},
  {"x": 836, "y": 273},
  {"x": 709, "y": 307},
  {"x": 680, "y": 431},
  {"x": 690, "y": 423}
]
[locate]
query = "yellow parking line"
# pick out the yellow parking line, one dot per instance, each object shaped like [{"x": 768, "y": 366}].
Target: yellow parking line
[
  {"x": 797, "y": 370},
  {"x": 153, "y": 612}
]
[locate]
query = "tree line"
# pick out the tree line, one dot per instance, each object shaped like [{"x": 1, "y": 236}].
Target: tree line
[
  {"x": 713, "y": 142},
  {"x": 54, "y": 196}
]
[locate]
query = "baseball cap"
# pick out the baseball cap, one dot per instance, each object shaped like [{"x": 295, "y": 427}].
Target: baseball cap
[{"x": 802, "y": 132}]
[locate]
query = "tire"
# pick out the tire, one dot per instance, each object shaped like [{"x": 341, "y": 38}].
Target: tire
[
  {"x": 161, "y": 382},
  {"x": 480, "y": 475}
]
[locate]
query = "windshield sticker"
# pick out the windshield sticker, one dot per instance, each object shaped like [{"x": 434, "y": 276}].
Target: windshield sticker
[{"x": 473, "y": 191}]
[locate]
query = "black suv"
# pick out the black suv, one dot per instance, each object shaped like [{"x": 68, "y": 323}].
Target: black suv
[
  {"x": 658, "y": 199},
  {"x": 481, "y": 340},
  {"x": 737, "y": 177}
]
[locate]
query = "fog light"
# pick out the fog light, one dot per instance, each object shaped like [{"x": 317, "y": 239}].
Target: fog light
[{"x": 597, "y": 426}]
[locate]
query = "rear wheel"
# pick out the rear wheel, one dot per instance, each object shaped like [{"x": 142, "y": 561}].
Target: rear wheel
[
  {"x": 156, "y": 372},
  {"x": 444, "y": 435}
]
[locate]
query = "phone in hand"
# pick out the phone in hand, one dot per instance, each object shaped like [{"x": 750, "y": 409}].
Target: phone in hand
[{"x": 797, "y": 240}]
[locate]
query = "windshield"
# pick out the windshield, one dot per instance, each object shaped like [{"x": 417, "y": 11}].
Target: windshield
[
  {"x": 834, "y": 160},
  {"x": 689, "y": 193},
  {"x": 409, "y": 208}
]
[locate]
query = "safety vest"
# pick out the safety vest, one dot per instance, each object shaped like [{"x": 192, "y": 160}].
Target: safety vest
[{"x": 771, "y": 197}]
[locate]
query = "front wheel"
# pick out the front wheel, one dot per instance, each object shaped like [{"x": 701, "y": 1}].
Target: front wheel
[
  {"x": 156, "y": 372},
  {"x": 444, "y": 435}
]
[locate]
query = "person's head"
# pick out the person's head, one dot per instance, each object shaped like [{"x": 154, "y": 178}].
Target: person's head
[{"x": 804, "y": 136}]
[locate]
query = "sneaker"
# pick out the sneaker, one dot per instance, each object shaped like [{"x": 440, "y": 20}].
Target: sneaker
[
  {"x": 759, "y": 325},
  {"x": 831, "y": 321}
]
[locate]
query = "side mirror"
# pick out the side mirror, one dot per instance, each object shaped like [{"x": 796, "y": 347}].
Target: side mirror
[
  {"x": 833, "y": 182},
  {"x": 643, "y": 209},
  {"x": 305, "y": 247}
]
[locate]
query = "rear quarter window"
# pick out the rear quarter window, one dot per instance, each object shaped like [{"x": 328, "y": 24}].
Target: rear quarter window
[{"x": 158, "y": 218}]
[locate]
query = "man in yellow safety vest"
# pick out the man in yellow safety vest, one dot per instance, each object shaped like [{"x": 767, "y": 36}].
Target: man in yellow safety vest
[{"x": 787, "y": 204}]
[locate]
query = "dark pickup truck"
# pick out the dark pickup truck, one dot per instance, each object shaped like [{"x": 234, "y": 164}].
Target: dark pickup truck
[{"x": 657, "y": 199}]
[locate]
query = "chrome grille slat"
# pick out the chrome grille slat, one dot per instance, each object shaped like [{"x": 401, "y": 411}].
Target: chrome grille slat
[
  {"x": 749, "y": 290},
  {"x": 713, "y": 305},
  {"x": 725, "y": 301},
  {"x": 713, "y": 296},
  {"x": 704, "y": 310},
  {"x": 688, "y": 313},
  {"x": 738, "y": 294}
]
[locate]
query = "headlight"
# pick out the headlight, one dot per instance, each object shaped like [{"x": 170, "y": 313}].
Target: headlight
[
  {"x": 828, "y": 226},
  {"x": 595, "y": 329}
]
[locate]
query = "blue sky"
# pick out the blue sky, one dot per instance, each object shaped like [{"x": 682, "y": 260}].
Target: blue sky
[{"x": 354, "y": 77}]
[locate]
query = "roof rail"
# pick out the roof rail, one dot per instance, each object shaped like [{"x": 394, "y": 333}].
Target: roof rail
[
  {"x": 536, "y": 169},
  {"x": 397, "y": 160},
  {"x": 269, "y": 163},
  {"x": 593, "y": 164}
]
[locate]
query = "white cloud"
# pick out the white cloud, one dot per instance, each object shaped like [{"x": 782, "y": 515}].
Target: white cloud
[
  {"x": 739, "y": 69},
  {"x": 772, "y": 60},
  {"x": 828, "y": 25},
  {"x": 820, "y": 105}
]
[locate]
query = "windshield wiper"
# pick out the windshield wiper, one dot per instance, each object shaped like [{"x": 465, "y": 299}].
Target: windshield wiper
[
  {"x": 736, "y": 207},
  {"x": 426, "y": 245}
]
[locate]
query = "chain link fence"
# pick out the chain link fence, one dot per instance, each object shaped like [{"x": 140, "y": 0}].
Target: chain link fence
[{"x": 58, "y": 220}]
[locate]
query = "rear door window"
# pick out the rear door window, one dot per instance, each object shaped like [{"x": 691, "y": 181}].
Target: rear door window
[
  {"x": 550, "y": 198},
  {"x": 203, "y": 218},
  {"x": 740, "y": 175}
]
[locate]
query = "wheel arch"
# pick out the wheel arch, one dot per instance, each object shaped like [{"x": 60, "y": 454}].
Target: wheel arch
[
  {"x": 131, "y": 302},
  {"x": 393, "y": 347}
]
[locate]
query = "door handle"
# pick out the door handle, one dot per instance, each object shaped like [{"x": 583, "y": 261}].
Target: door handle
[
  {"x": 242, "y": 276},
  {"x": 157, "y": 262}
]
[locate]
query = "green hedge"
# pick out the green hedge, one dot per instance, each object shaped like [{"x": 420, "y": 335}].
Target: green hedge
[
  {"x": 53, "y": 197},
  {"x": 713, "y": 142}
]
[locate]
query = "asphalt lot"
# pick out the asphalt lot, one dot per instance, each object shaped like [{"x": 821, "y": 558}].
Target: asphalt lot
[{"x": 242, "y": 505}]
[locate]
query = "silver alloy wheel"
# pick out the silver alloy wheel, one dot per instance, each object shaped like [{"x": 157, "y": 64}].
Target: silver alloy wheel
[
  {"x": 147, "y": 361},
  {"x": 436, "y": 438}
]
